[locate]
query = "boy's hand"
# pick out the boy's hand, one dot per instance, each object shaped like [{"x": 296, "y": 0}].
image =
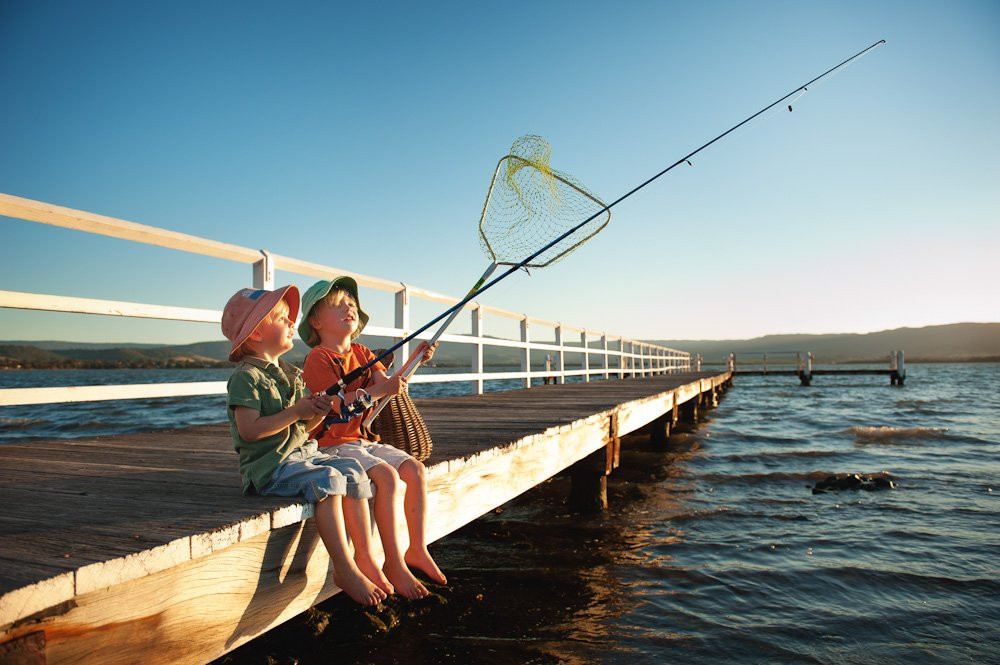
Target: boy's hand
[
  {"x": 427, "y": 351},
  {"x": 395, "y": 385},
  {"x": 312, "y": 406}
]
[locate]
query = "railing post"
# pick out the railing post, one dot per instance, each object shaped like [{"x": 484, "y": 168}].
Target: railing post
[
  {"x": 477, "y": 348},
  {"x": 263, "y": 272},
  {"x": 526, "y": 351},
  {"x": 586, "y": 356},
  {"x": 561, "y": 359},
  {"x": 403, "y": 324},
  {"x": 607, "y": 362}
]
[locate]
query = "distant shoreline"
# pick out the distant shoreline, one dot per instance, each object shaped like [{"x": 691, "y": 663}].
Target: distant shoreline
[
  {"x": 75, "y": 365},
  {"x": 81, "y": 365}
]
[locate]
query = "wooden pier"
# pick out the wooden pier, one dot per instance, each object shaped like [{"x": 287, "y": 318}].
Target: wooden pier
[
  {"x": 141, "y": 548},
  {"x": 896, "y": 371}
]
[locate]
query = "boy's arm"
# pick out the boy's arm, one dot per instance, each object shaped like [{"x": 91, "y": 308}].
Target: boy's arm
[
  {"x": 253, "y": 427},
  {"x": 383, "y": 385},
  {"x": 424, "y": 351}
]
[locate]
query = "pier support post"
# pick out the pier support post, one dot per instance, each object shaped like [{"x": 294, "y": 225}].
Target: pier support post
[
  {"x": 659, "y": 431},
  {"x": 689, "y": 411},
  {"x": 899, "y": 371},
  {"x": 805, "y": 368},
  {"x": 588, "y": 492},
  {"x": 710, "y": 399},
  {"x": 589, "y": 477}
]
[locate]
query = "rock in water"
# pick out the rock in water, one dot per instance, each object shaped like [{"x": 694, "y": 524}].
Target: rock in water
[{"x": 854, "y": 481}]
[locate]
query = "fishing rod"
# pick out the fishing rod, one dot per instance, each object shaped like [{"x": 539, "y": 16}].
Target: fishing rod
[{"x": 342, "y": 384}]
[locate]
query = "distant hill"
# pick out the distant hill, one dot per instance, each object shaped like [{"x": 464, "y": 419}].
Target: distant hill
[
  {"x": 955, "y": 342},
  {"x": 19, "y": 356}
]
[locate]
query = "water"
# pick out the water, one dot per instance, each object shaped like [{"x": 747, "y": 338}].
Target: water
[{"x": 717, "y": 551}]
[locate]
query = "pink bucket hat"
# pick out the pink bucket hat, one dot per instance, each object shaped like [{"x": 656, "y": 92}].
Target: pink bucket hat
[{"x": 248, "y": 307}]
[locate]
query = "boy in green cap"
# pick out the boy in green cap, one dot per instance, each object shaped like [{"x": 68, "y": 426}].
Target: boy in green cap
[
  {"x": 332, "y": 319},
  {"x": 270, "y": 415}
]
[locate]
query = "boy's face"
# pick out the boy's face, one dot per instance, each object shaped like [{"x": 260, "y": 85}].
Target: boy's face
[
  {"x": 275, "y": 333},
  {"x": 335, "y": 321}
]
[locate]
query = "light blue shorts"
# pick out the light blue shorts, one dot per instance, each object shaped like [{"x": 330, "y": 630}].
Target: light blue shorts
[{"x": 315, "y": 475}]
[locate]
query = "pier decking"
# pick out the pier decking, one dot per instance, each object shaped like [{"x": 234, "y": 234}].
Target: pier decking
[{"x": 141, "y": 547}]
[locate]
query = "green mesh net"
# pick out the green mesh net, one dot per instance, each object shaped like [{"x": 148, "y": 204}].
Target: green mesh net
[{"x": 530, "y": 205}]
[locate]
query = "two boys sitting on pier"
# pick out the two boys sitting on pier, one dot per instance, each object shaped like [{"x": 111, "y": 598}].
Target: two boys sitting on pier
[{"x": 272, "y": 413}]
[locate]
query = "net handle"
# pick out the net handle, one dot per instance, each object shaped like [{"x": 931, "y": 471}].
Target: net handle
[{"x": 411, "y": 367}]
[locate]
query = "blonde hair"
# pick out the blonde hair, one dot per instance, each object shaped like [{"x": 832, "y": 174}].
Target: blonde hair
[
  {"x": 247, "y": 348},
  {"x": 333, "y": 298}
]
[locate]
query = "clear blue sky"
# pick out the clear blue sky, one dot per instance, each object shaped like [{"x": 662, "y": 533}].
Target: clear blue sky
[{"x": 363, "y": 136}]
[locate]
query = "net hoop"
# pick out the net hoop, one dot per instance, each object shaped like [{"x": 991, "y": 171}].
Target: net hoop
[{"x": 551, "y": 181}]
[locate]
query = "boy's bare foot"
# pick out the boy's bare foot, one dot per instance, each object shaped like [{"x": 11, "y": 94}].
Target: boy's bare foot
[
  {"x": 422, "y": 561},
  {"x": 405, "y": 583},
  {"x": 370, "y": 569},
  {"x": 359, "y": 588}
]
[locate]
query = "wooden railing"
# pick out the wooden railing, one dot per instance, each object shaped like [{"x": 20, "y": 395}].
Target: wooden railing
[{"x": 618, "y": 356}]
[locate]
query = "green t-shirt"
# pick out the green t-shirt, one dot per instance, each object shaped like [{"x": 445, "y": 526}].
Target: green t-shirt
[{"x": 267, "y": 388}]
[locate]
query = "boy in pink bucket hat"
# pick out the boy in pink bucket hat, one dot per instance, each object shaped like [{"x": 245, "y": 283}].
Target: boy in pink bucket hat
[{"x": 270, "y": 415}]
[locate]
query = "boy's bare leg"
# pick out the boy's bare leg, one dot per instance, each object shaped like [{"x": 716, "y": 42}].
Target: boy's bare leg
[
  {"x": 414, "y": 505},
  {"x": 386, "y": 484},
  {"x": 346, "y": 575},
  {"x": 359, "y": 528}
]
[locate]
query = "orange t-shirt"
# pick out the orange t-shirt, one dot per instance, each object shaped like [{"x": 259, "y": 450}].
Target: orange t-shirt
[{"x": 323, "y": 368}]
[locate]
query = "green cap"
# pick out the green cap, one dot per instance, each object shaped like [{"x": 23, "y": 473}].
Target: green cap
[{"x": 317, "y": 292}]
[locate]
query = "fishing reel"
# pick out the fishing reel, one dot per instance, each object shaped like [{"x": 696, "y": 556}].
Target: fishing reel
[{"x": 361, "y": 403}]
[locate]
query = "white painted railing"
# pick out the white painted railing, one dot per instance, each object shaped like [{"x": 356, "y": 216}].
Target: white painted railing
[{"x": 617, "y": 356}]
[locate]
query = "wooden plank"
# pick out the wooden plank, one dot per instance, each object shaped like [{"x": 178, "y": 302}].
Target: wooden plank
[
  {"x": 30, "y": 585},
  {"x": 121, "y": 461},
  {"x": 24, "y": 396},
  {"x": 46, "y": 213},
  {"x": 44, "y": 302},
  {"x": 206, "y": 604}
]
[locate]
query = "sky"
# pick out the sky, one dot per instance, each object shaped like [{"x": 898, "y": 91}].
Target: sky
[{"x": 363, "y": 136}]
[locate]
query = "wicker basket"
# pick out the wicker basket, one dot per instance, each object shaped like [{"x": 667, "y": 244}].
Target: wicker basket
[{"x": 399, "y": 424}]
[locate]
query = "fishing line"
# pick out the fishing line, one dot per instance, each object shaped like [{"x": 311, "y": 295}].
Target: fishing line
[{"x": 341, "y": 385}]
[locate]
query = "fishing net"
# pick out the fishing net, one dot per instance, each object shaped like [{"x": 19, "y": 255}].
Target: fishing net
[{"x": 530, "y": 205}]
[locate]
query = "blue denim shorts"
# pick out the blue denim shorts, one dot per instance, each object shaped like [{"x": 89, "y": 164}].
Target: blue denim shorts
[{"x": 315, "y": 475}]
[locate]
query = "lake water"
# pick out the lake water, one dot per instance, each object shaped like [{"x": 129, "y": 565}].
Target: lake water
[{"x": 716, "y": 550}]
